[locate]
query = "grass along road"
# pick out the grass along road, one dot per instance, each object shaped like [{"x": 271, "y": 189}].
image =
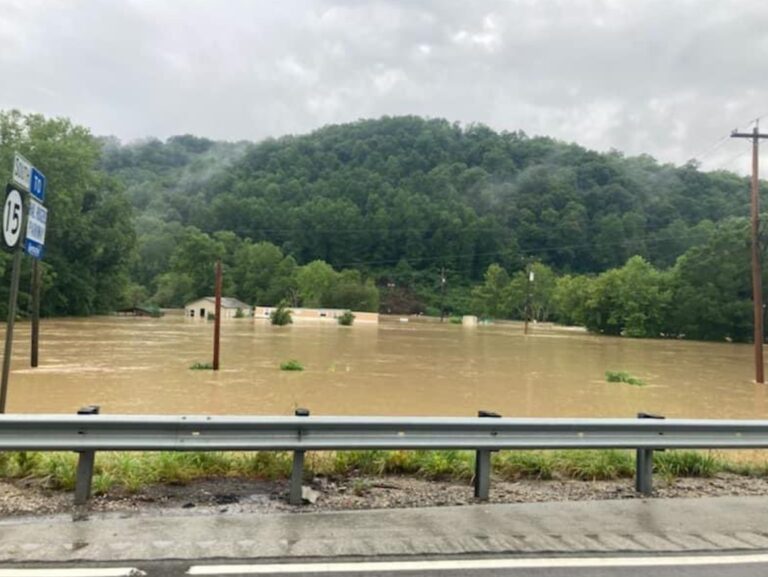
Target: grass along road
[{"x": 41, "y": 482}]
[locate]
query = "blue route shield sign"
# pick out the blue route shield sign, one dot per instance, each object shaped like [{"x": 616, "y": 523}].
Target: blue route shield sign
[{"x": 37, "y": 184}]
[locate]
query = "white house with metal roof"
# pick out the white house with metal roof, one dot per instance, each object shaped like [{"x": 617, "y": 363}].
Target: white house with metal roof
[{"x": 202, "y": 308}]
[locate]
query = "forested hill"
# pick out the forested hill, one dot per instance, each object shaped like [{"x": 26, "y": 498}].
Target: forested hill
[
  {"x": 428, "y": 193},
  {"x": 396, "y": 214}
]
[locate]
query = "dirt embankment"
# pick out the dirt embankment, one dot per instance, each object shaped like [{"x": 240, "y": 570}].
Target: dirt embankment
[{"x": 230, "y": 495}]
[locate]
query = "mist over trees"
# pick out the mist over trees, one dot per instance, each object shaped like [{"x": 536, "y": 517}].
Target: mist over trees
[{"x": 367, "y": 215}]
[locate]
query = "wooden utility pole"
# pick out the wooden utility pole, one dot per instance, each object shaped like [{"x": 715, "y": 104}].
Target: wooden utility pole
[
  {"x": 36, "y": 282},
  {"x": 443, "y": 280},
  {"x": 217, "y": 319},
  {"x": 757, "y": 275},
  {"x": 529, "y": 277}
]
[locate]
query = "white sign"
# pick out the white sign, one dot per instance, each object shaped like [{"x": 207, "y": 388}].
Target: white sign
[
  {"x": 34, "y": 243},
  {"x": 13, "y": 215},
  {"x": 38, "y": 216},
  {"x": 22, "y": 171},
  {"x": 28, "y": 178}
]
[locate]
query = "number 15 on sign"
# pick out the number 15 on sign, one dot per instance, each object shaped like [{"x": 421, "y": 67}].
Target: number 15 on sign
[{"x": 13, "y": 216}]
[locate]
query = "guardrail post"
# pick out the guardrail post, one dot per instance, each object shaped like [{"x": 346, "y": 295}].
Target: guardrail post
[
  {"x": 483, "y": 465},
  {"x": 644, "y": 463},
  {"x": 297, "y": 473},
  {"x": 85, "y": 465}
]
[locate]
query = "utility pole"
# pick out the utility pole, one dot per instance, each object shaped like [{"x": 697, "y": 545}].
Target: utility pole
[
  {"x": 529, "y": 274},
  {"x": 757, "y": 275},
  {"x": 443, "y": 280},
  {"x": 217, "y": 318}
]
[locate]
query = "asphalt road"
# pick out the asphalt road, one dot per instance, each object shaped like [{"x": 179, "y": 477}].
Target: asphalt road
[{"x": 748, "y": 565}]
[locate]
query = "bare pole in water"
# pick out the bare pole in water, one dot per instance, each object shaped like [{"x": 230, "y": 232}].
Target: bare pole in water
[
  {"x": 217, "y": 318},
  {"x": 757, "y": 275},
  {"x": 443, "y": 280},
  {"x": 529, "y": 278}
]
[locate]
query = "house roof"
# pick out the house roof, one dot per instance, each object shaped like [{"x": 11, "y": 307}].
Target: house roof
[{"x": 226, "y": 302}]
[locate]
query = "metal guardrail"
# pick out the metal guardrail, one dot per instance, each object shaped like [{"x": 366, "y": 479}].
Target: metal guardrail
[{"x": 88, "y": 432}]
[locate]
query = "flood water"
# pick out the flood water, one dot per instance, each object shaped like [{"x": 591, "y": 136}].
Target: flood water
[{"x": 133, "y": 365}]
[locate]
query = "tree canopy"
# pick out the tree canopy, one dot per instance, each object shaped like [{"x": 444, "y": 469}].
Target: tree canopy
[
  {"x": 370, "y": 214},
  {"x": 90, "y": 238}
]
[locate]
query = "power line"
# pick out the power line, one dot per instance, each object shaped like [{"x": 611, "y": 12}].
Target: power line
[
  {"x": 713, "y": 148},
  {"x": 727, "y": 162},
  {"x": 522, "y": 253},
  {"x": 726, "y": 138},
  {"x": 429, "y": 229}
]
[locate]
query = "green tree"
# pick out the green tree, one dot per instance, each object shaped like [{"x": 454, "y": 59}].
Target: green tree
[
  {"x": 633, "y": 300},
  {"x": 314, "y": 281},
  {"x": 90, "y": 240},
  {"x": 536, "y": 293},
  {"x": 491, "y": 299},
  {"x": 712, "y": 287},
  {"x": 262, "y": 274},
  {"x": 349, "y": 291},
  {"x": 192, "y": 271},
  {"x": 570, "y": 297}
]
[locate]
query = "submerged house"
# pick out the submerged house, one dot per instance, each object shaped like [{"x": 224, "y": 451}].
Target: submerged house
[
  {"x": 202, "y": 308},
  {"x": 299, "y": 314}
]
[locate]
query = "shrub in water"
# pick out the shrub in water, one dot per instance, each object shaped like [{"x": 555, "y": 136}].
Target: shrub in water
[
  {"x": 346, "y": 319},
  {"x": 432, "y": 312},
  {"x": 291, "y": 365},
  {"x": 202, "y": 367},
  {"x": 623, "y": 377},
  {"x": 281, "y": 316}
]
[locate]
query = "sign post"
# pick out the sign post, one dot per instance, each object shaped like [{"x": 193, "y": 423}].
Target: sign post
[
  {"x": 36, "y": 282},
  {"x": 34, "y": 246},
  {"x": 13, "y": 223},
  {"x": 31, "y": 222}
]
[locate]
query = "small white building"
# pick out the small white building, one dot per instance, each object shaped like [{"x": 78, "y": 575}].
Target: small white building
[{"x": 201, "y": 308}]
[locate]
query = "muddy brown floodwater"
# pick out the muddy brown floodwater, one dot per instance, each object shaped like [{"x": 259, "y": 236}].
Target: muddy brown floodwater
[{"x": 134, "y": 365}]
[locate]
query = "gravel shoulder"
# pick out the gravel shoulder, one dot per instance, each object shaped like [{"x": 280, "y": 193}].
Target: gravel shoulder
[{"x": 239, "y": 495}]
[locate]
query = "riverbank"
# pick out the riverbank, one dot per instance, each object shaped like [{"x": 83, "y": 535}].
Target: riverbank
[{"x": 41, "y": 483}]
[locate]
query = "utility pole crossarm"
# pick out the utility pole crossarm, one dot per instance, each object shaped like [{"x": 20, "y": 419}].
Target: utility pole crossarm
[{"x": 735, "y": 134}]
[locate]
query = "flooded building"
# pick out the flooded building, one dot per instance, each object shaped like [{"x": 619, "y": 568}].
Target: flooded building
[
  {"x": 299, "y": 314},
  {"x": 206, "y": 306}
]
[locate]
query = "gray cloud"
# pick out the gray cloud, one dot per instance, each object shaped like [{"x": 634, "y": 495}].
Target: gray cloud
[{"x": 663, "y": 77}]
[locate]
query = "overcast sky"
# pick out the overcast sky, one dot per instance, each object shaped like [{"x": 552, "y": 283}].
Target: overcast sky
[{"x": 669, "y": 78}]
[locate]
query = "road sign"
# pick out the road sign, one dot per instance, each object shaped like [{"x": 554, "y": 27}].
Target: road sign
[
  {"x": 22, "y": 171},
  {"x": 13, "y": 216},
  {"x": 37, "y": 185},
  {"x": 34, "y": 243},
  {"x": 28, "y": 178}
]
